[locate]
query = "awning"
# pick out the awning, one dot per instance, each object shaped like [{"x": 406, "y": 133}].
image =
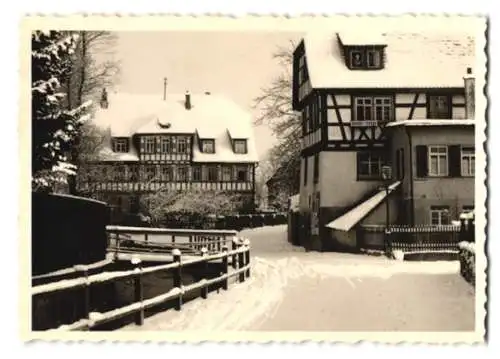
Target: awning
[{"x": 352, "y": 217}]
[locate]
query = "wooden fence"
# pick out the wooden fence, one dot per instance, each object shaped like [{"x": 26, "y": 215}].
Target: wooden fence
[
  {"x": 123, "y": 239},
  {"x": 238, "y": 259}
]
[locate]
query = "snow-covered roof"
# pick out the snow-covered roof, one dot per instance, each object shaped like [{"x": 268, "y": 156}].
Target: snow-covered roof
[
  {"x": 210, "y": 116},
  {"x": 412, "y": 60},
  {"x": 361, "y": 38},
  {"x": 349, "y": 219},
  {"x": 432, "y": 122}
]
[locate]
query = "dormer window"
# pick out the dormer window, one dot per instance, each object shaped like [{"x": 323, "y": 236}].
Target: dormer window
[
  {"x": 120, "y": 145},
  {"x": 240, "y": 146},
  {"x": 364, "y": 58},
  {"x": 208, "y": 146}
]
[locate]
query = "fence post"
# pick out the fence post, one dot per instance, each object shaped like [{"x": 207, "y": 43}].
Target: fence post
[
  {"x": 234, "y": 247},
  {"x": 388, "y": 242},
  {"x": 86, "y": 290},
  {"x": 224, "y": 267},
  {"x": 241, "y": 262},
  {"x": 138, "y": 292},
  {"x": 176, "y": 253},
  {"x": 204, "y": 289},
  {"x": 246, "y": 243}
]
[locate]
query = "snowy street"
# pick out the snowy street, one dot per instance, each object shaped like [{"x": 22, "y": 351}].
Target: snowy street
[{"x": 290, "y": 289}]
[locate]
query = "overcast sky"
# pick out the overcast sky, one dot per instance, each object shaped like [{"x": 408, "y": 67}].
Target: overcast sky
[{"x": 235, "y": 64}]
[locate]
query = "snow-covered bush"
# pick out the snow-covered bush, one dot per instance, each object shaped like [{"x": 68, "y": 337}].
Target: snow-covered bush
[{"x": 467, "y": 257}]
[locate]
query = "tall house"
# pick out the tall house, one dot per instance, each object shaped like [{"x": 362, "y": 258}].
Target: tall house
[
  {"x": 198, "y": 141},
  {"x": 403, "y": 100}
]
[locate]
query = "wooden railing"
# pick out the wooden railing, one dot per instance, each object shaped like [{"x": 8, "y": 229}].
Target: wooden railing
[
  {"x": 423, "y": 238},
  {"x": 163, "y": 240},
  {"x": 240, "y": 266}
]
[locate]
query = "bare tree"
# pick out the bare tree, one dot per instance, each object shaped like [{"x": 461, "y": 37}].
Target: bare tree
[
  {"x": 275, "y": 104},
  {"x": 93, "y": 68}
]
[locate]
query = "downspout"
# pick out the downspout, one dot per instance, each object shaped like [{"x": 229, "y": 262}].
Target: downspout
[{"x": 412, "y": 204}]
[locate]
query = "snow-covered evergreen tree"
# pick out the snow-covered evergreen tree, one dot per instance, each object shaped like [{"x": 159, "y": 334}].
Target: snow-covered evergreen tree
[{"x": 54, "y": 128}]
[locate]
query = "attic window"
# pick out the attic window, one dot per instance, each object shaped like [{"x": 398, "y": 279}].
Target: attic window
[
  {"x": 208, "y": 146},
  {"x": 120, "y": 145},
  {"x": 365, "y": 58},
  {"x": 240, "y": 146}
]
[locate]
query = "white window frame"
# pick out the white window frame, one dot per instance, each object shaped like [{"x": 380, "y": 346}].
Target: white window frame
[
  {"x": 149, "y": 145},
  {"x": 120, "y": 145},
  {"x": 165, "y": 144},
  {"x": 372, "y": 158},
  {"x": 182, "y": 145},
  {"x": 441, "y": 212},
  {"x": 470, "y": 170},
  {"x": 438, "y": 155},
  {"x": 240, "y": 146},
  {"x": 377, "y": 55},
  {"x": 207, "y": 142},
  {"x": 370, "y": 104}
]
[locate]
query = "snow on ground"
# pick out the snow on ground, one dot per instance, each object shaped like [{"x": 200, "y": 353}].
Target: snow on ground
[{"x": 251, "y": 304}]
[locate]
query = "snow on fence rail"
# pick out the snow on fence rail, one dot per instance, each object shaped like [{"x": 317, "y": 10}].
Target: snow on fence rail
[
  {"x": 240, "y": 263},
  {"x": 164, "y": 240}
]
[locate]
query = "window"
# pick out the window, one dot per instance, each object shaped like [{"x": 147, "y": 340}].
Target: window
[
  {"x": 439, "y": 107},
  {"x": 120, "y": 145},
  {"x": 241, "y": 174},
  {"x": 440, "y": 215},
  {"x": 305, "y": 170},
  {"x": 377, "y": 109},
  {"x": 212, "y": 173},
  {"x": 369, "y": 165},
  {"x": 208, "y": 146},
  {"x": 316, "y": 169},
  {"x": 149, "y": 172},
  {"x": 119, "y": 173},
  {"x": 302, "y": 75},
  {"x": 182, "y": 174},
  {"x": 165, "y": 145},
  {"x": 373, "y": 59},
  {"x": 181, "y": 145},
  {"x": 196, "y": 173},
  {"x": 133, "y": 173},
  {"x": 468, "y": 156},
  {"x": 166, "y": 173},
  {"x": 438, "y": 160},
  {"x": 240, "y": 146},
  {"x": 226, "y": 173},
  {"x": 149, "y": 145},
  {"x": 356, "y": 59},
  {"x": 365, "y": 58}
]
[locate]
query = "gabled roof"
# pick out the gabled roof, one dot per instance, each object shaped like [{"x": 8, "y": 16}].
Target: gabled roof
[
  {"x": 210, "y": 116},
  {"x": 412, "y": 60}
]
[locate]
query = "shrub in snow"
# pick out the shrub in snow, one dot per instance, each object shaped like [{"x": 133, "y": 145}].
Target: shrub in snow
[{"x": 467, "y": 259}]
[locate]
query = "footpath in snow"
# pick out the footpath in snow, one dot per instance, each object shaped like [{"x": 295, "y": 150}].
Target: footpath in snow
[{"x": 284, "y": 294}]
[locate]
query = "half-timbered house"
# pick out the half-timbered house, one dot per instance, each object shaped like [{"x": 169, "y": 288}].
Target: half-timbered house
[
  {"x": 393, "y": 99},
  {"x": 187, "y": 141}
]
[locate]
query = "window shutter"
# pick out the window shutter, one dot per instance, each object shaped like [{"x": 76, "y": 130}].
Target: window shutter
[
  {"x": 454, "y": 163},
  {"x": 422, "y": 166}
]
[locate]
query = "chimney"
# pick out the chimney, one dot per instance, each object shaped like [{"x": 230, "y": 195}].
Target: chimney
[
  {"x": 207, "y": 92},
  {"x": 187, "y": 103},
  {"x": 164, "y": 89},
  {"x": 104, "y": 99},
  {"x": 469, "y": 84}
]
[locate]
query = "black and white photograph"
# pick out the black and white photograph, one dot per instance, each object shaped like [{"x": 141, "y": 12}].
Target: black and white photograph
[{"x": 255, "y": 178}]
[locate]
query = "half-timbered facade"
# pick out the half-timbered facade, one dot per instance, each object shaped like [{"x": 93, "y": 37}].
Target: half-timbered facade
[
  {"x": 182, "y": 142},
  {"x": 348, "y": 89}
]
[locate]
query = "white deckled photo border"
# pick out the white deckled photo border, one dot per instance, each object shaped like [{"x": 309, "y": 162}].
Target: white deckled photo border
[{"x": 476, "y": 25}]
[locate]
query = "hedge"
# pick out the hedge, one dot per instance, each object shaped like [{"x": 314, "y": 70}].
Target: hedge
[{"x": 467, "y": 259}]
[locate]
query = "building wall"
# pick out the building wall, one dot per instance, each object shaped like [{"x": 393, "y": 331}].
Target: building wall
[{"x": 454, "y": 192}]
